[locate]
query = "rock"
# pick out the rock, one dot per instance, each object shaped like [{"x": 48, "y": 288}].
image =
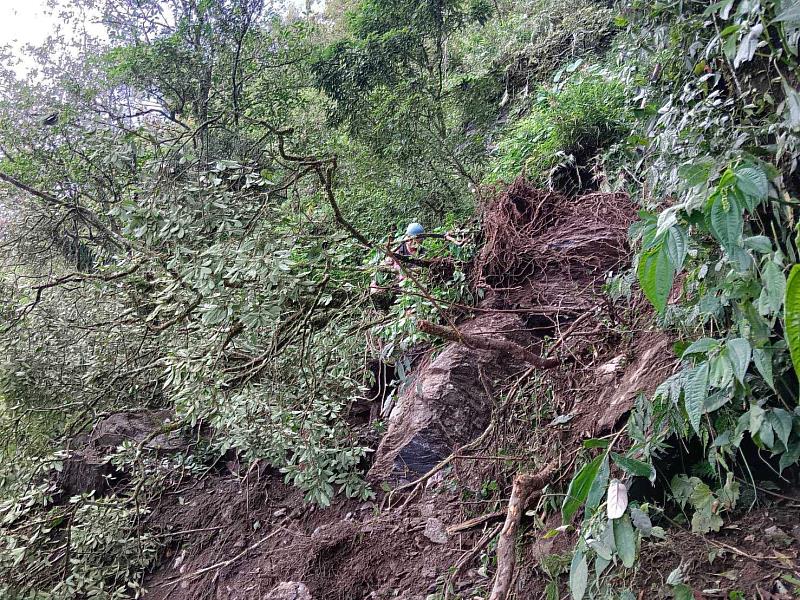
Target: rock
[
  {"x": 435, "y": 531},
  {"x": 446, "y": 405},
  {"x": 289, "y": 590},
  {"x": 611, "y": 366},
  {"x": 86, "y": 469},
  {"x": 777, "y": 536}
]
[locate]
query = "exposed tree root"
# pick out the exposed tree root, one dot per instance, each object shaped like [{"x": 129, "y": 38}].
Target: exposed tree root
[
  {"x": 525, "y": 485},
  {"x": 496, "y": 344}
]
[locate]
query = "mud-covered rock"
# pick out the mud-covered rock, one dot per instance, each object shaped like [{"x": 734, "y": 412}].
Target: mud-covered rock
[
  {"x": 87, "y": 469},
  {"x": 446, "y": 404},
  {"x": 289, "y": 590}
]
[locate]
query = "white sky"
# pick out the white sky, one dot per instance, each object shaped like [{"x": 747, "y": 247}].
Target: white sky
[
  {"x": 29, "y": 22},
  {"x": 24, "y": 21}
]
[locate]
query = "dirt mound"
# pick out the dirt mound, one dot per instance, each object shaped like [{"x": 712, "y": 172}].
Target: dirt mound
[{"x": 237, "y": 539}]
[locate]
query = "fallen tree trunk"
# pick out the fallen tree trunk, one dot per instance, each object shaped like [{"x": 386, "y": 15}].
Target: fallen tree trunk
[
  {"x": 525, "y": 485},
  {"x": 495, "y": 344}
]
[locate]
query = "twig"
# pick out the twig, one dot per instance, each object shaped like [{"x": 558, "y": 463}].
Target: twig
[
  {"x": 469, "y": 557},
  {"x": 469, "y": 524}
]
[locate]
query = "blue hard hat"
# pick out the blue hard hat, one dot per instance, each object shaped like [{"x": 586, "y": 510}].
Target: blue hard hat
[{"x": 414, "y": 229}]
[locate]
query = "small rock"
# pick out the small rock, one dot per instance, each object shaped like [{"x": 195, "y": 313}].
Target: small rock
[
  {"x": 611, "y": 366},
  {"x": 435, "y": 531},
  {"x": 289, "y": 590},
  {"x": 280, "y": 512},
  {"x": 777, "y": 536}
]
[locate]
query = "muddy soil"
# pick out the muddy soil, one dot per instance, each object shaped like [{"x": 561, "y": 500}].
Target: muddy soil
[{"x": 240, "y": 539}]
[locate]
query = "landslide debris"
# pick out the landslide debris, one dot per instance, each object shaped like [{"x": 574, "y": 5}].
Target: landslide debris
[{"x": 246, "y": 535}]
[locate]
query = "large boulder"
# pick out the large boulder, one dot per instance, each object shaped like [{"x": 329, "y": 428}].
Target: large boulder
[
  {"x": 87, "y": 469},
  {"x": 446, "y": 403}
]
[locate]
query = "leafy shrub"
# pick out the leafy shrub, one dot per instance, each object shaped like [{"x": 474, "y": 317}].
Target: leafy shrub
[
  {"x": 566, "y": 126},
  {"x": 89, "y": 548},
  {"x": 527, "y": 43}
]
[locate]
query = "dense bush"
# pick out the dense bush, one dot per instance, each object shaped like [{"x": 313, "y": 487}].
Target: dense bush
[{"x": 565, "y": 129}]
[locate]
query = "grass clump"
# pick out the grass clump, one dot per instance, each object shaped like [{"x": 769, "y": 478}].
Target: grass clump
[{"x": 565, "y": 128}]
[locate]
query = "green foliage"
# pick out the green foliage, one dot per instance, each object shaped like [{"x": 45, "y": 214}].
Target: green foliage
[
  {"x": 565, "y": 129},
  {"x": 792, "y": 311},
  {"x": 86, "y": 548}
]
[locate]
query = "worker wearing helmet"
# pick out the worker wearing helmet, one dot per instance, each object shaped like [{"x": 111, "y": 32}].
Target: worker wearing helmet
[{"x": 409, "y": 247}]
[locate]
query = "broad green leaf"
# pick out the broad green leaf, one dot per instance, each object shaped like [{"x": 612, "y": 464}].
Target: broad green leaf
[
  {"x": 790, "y": 457},
  {"x": 756, "y": 416},
  {"x": 763, "y": 361},
  {"x": 748, "y": 45},
  {"x": 792, "y": 104},
  {"x": 766, "y": 434},
  {"x": 600, "y": 565},
  {"x": 774, "y": 285},
  {"x": 656, "y": 274},
  {"x": 595, "y": 443},
  {"x": 791, "y": 308},
  {"x": 634, "y": 467},
  {"x": 725, "y": 217},
  {"x": 697, "y": 172},
  {"x": 729, "y": 46},
  {"x": 682, "y": 488},
  {"x": 617, "y": 500},
  {"x": 760, "y": 243},
  {"x": 579, "y": 488},
  {"x": 641, "y": 521},
  {"x": 702, "y": 498},
  {"x": 695, "y": 394},
  {"x": 717, "y": 400},
  {"x": 677, "y": 245},
  {"x": 601, "y": 549},
  {"x": 739, "y": 352},
  {"x": 666, "y": 219},
  {"x": 781, "y": 421},
  {"x": 752, "y": 182},
  {"x": 682, "y": 592},
  {"x": 625, "y": 540},
  {"x": 704, "y": 521},
  {"x": 675, "y": 576},
  {"x": 720, "y": 370},
  {"x": 728, "y": 494},
  {"x": 701, "y": 346},
  {"x": 790, "y": 13},
  {"x": 598, "y": 489},
  {"x": 578, "y": 575}
]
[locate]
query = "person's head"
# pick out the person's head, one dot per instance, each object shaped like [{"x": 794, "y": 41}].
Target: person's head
[{"x": 413, "y": 231}]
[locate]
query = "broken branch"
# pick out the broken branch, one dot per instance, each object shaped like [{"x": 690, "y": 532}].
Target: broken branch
[
  {"x": 488, "y": 343},
  {"x": 525, "y": 485}
]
